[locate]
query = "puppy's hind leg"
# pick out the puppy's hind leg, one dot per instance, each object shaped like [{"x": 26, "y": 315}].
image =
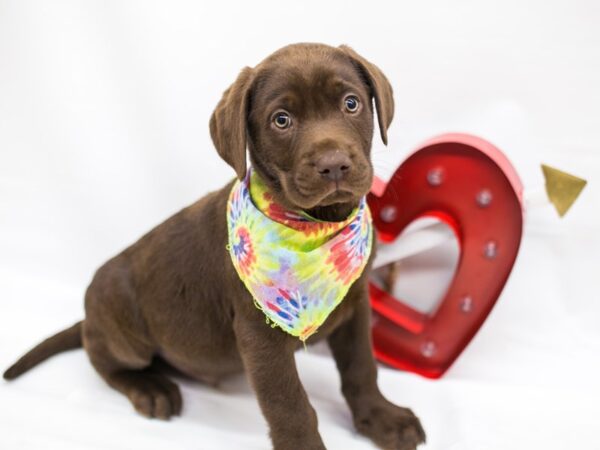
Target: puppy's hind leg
[
  {"x": 151, "y": 393},
  {"x": 115, "y": 338}
]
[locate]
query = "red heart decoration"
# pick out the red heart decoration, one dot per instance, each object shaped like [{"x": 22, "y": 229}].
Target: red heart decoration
[{"x": 469, "y": 184}]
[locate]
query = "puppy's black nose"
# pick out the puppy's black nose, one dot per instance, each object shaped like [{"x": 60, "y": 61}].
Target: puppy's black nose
[{"x": 334, "y": 165}]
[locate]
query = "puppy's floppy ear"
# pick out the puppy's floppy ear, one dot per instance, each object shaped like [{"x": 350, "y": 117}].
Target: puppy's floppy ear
[
  {"x": 228, "y": 123},
  {"x": 381, "y": 89}
]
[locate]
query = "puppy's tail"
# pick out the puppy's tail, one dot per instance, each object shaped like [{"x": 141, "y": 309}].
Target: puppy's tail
[{"x": 65, "y": 340}]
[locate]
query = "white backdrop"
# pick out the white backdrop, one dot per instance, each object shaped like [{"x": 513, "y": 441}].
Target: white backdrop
[{"x": 104, "y": 110}]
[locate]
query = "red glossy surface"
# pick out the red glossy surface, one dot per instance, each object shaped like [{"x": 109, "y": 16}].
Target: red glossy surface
[{"x": 429, "y": 343}]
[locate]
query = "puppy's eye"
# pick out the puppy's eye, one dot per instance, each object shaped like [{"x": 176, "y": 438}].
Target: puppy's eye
[
  {"x": 282, "y": 120},
  {"x": 351, "y": 103}
]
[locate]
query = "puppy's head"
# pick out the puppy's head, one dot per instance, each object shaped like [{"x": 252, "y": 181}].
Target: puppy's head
[{"x": 306, "y": 116}]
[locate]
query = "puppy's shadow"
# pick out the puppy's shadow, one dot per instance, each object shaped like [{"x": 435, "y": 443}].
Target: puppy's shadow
[{"x": 229, "y": 406}]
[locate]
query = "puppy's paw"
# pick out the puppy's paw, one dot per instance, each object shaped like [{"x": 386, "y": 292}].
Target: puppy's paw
[
  {"x": 155, "y": 396},
  {"x": 389, "y": 426}
]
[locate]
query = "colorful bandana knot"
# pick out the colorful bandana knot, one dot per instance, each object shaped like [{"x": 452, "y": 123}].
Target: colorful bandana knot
[{"x": 297, "y": 268}]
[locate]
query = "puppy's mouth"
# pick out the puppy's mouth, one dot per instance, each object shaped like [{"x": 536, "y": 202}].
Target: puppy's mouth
[
  {"x": 337, "y": 194},
  {"x": 326, "y": 193}
]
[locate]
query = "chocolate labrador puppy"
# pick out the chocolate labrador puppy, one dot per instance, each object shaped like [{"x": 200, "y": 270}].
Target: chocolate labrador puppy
[{"x": 305, "y": 114}]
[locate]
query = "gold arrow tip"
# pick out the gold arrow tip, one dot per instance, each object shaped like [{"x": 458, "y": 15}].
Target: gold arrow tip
[{"x": 562, "y": 188}]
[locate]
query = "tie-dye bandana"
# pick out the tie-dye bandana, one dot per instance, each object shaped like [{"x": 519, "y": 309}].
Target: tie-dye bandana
[{"x": 297, "y": 268}]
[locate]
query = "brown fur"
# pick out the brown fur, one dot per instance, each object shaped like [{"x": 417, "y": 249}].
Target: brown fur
[{"x": 175, "y": 295}]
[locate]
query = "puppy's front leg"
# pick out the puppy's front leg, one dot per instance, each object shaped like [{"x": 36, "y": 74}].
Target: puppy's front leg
[
  {"x": 388, "y": 425},
  {"x": 268, "y": 356}
]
